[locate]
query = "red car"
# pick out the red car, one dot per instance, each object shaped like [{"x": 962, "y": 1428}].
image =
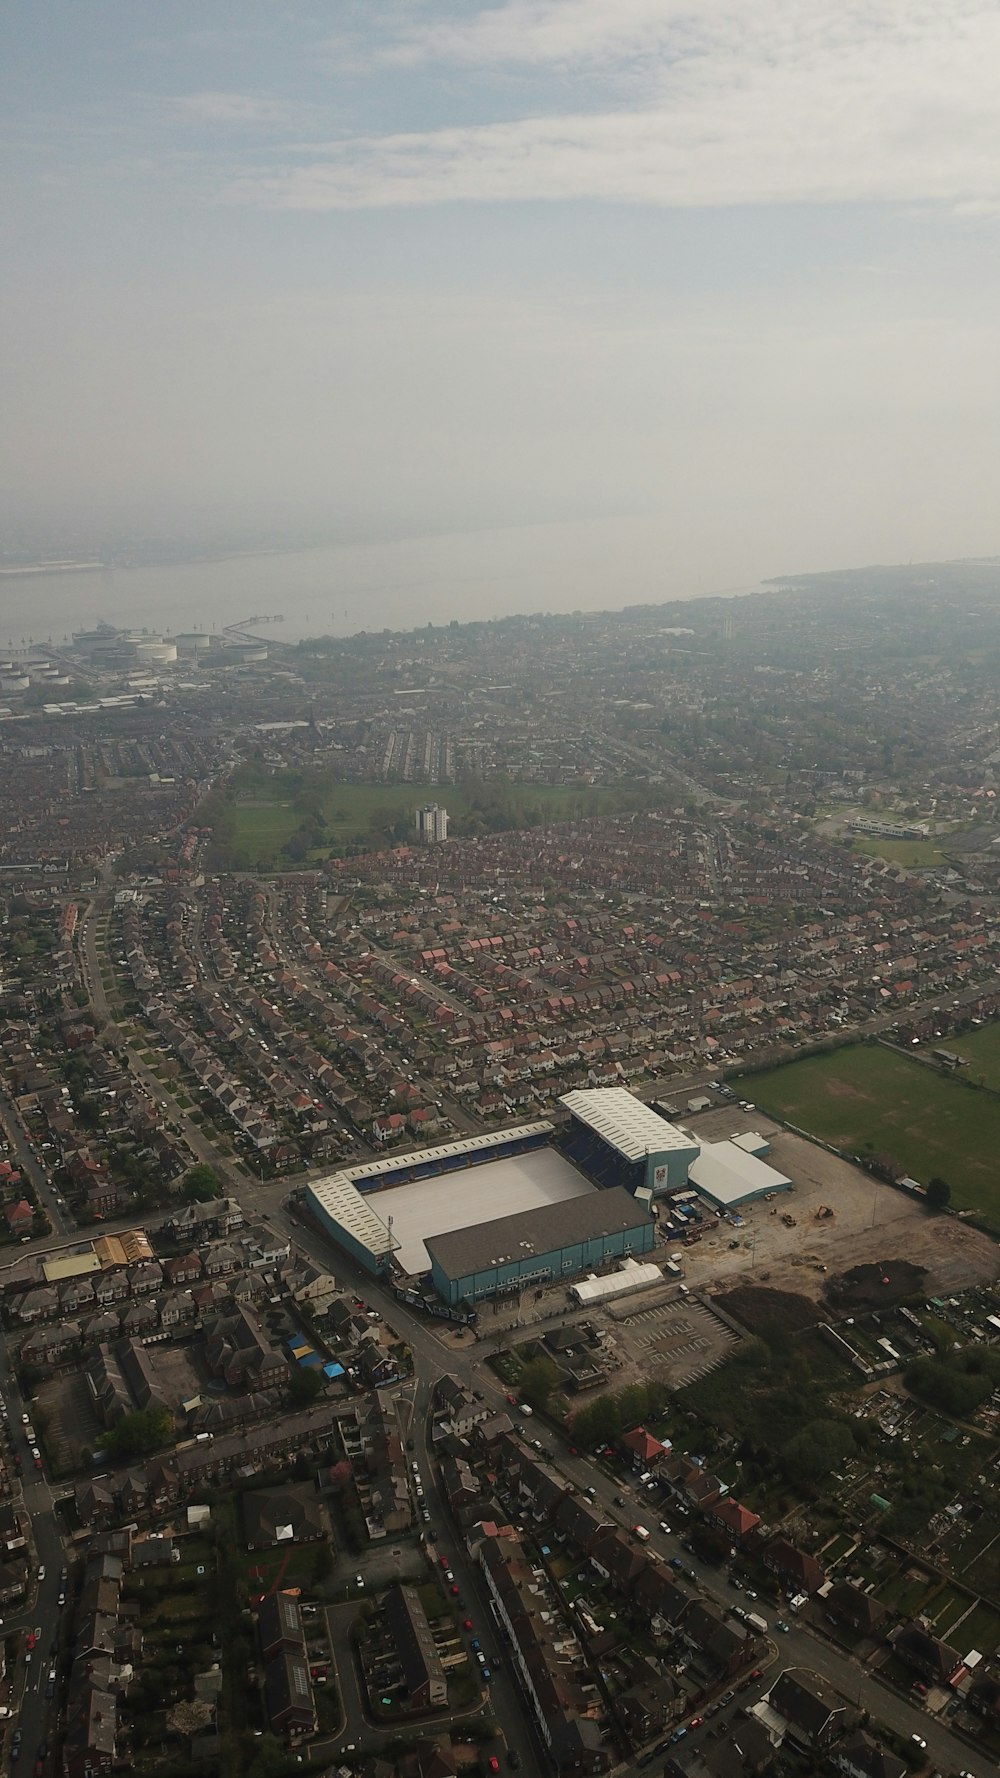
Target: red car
[
  {"x": 512, "y": 1399},
  {"x": 454, "y": 1589},
  {"x": 32, "y": 1638},
  {"x": 443, "y": 1561},
  {"x": 467, "y": 1624},
  {"x": 696, "y": 1722},
  {"x": 494, "y": 1763}
]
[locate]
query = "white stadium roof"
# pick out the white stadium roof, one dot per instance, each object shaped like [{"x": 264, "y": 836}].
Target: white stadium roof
[
  {"x": 625, "y": 1122},
  {"x": 729, "y": 1176},
  {"x": 345, "y": 1205}
]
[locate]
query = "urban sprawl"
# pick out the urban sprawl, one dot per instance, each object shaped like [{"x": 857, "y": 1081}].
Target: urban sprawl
[{"x": 498, "y": 1134}]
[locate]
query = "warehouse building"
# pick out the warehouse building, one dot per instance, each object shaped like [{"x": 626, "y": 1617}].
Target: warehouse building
[
  {"x": 617, "y": 1140},
  {"x": 728, "y": 1176},
  {"x": 556, "y": 1241}
]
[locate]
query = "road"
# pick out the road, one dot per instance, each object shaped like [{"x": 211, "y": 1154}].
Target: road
[
  {"x": 62, "y": 1223},
  {"x": 35, "y": 1714}
]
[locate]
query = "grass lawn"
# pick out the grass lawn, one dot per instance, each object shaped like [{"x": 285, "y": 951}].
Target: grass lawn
[
  {"x": 264, "y": 825},
  {"x": 869, "y": 1098},
  {"x": 911, "y": 854},
  {"x": 905, "y": 1594},
  {"x": 982, "y": 1048},
  {"x": 980, "y": 1629},
  {"x": 290, "y": 1566},
  {"x": 264, "y": 821}
]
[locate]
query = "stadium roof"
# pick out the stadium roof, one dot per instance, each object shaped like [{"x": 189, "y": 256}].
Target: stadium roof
[
  {"x": 631, "y": 1127},
  {"x": 445, "y": 1151},
  {"x": 729, "y": 1176},
  {"x": 344, "y": 1204},
  {"x": 484, "y": 1245}
]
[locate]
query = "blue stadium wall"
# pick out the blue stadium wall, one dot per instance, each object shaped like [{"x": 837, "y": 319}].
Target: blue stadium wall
[
  {"x": 540, "y": 1268},
  {"x": 663, "y": 1171},
  {"x": 375, "y": 1264}
]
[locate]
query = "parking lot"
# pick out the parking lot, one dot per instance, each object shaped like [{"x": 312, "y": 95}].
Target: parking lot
[{"x": 673, "y": 1342}]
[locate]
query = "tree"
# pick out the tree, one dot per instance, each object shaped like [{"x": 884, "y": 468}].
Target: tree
[
  {"x": 818, "y": 1449},
  {"x": 938, "y": 1193},
  {"x": 537, "y": 1380},
  {"x": 137, "y": 1435},
  {"x": 201, "y": 1184},
  {"x": 304, "y": 1386}
]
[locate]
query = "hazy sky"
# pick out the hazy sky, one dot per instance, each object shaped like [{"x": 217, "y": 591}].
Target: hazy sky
[{"x": 721, "y": 275}]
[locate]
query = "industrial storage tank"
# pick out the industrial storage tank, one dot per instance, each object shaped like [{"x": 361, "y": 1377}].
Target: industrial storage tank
[{"x": 162, "y": 653}]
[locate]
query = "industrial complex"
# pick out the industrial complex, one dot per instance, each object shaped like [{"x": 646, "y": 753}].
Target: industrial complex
[{"x": 537, "y": 1203}]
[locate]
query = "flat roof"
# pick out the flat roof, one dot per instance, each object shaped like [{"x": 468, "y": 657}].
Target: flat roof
[
  {"x": 630, "y": 1126},
  {"x": 494, "y": 1189},
  {"x": 484, "y": 1245},
  {"x": 728, "y": 1175},
  {"x": 70, "y": 1265},
  {"x": 344, "y": 1204}
]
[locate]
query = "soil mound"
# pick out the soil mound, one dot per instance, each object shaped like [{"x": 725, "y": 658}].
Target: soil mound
[
  {"x": 769, "y": 1313},
  {"x": 871, "y": 1287}
]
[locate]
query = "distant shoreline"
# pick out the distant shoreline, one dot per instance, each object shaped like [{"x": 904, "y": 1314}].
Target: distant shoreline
[{"x": 24, "y": 570}]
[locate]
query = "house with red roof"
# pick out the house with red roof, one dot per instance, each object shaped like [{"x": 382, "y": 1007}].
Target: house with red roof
[
  {"x": 642, "y": 1447},
  {"x": 734, "y": 1518},
  {"x": 19, "y": 1217}
]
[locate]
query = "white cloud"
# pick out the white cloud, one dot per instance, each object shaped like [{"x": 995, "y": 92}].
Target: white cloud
[{"x": 783, "y": 102}]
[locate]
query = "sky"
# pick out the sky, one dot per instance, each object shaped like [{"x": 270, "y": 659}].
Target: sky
[{"x": 715, "y": 281}]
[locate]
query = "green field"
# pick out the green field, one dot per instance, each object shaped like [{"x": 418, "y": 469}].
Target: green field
[
  {"x": 867, "y": 1099},
  {"x": 982, "y": 1048},
  {"x": 911, "y": 854},
  {"x": 261, "y": 820}
]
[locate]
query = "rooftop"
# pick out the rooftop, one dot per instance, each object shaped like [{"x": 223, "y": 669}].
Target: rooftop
[
  {"x": 485, "y": 1245},
  {"x": 344, "y": 1204},
  {"x": 631, "y": 1127},
  {"x": 728, "y": 1175}
]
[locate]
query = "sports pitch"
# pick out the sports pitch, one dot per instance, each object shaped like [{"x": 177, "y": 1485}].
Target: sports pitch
[{"x": 868, "y": 1100}]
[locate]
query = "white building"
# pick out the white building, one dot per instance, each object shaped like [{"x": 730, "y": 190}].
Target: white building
[{"x": 431, "y": 823}]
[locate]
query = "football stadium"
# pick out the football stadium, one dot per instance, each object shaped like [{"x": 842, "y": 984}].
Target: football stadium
[{"x": 490, "y": 1215}]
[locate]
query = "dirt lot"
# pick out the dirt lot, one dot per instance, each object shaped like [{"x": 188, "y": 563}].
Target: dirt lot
[{"x": 871, "y": 1222}]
